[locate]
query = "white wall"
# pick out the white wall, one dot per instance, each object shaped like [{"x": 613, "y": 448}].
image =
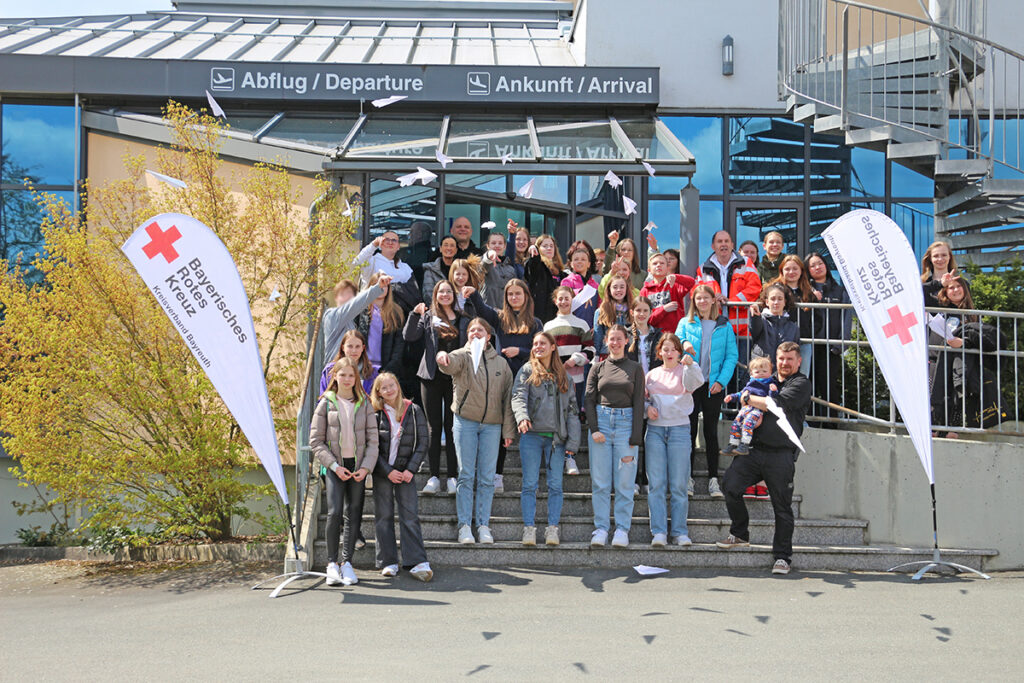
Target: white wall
[
  {"x": 684, "y": 38},
  {"x": 879, "y": 478}
]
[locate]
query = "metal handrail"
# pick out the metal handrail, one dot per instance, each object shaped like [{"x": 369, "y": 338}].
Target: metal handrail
[{"x": 812, "y": 68}]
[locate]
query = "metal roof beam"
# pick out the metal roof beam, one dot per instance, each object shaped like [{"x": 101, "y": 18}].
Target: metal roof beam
[
  {"x": 353, "y": 131},
  {"x": 334, "y": 41},
  {"x": 92, "y": 34},
  {"x": 296, "y": 39},
  {"x": 124, "y": 40},
  {"x": 156, "y": 47},
  {"x": 265, "y": 128},
  {"x": 534, "y": 140},
  {"x": 213, "y": 39},
  {"x": 14, "y": 28},
  {"x": 49, "y": 33},
  {"x": 622, "y": 140},
  {"x": 415, "y": 42},
  {"x": 374, "y": 42},
  {"x": 255, "y": 39}
]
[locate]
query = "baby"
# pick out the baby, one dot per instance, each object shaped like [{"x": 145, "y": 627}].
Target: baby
[{"x": 749, "y": 417}]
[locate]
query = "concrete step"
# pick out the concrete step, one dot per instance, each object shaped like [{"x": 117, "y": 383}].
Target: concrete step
[
  {"x": 576, "y": 483},
  {"x": 987, "y": 217},
  {"x": 701, "y": 555},
  {"x": 578, "y": 505},
  {"x": 578, "y": 529}
]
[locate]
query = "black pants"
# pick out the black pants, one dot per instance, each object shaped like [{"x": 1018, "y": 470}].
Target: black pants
[
  {"x": 385, "y": 493},
  {"x": 437, "y": 404},
  {"x": 827, "y": 370},
  {"x": 344, "y": 502},
  {"x": 710, "y": 406},
  {"x": 502, "y": 451},
  {"x": 776, "y": 468}
]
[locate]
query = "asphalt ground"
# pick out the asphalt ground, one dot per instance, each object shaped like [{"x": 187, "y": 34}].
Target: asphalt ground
[{"x": 174, "y": 621}]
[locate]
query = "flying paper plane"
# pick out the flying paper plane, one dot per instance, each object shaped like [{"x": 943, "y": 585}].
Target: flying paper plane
[
  {"x": 628, "y": 205},
  {"x": 526, "y": 191},
  {"x": 506, "y": 158},
  {"x": 650, "y": 226},
  {"x": 612, "y": 179},
  {"x": 167, "y": 179},
  {"x": 650, "y": 169},
  {"x": 443, "y": 159},
  {"x": 214, "y": 107},
  {"x": 275, "y": 295},
  {"x": 385, "y": 101},
  {"x": 348, "y": 209},
  {"x": 421, "y": 174},
  {"x": 489, "y": 225}
]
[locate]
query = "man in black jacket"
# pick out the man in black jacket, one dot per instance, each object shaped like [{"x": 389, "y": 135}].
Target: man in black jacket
[{"x": 772, "y": 458}]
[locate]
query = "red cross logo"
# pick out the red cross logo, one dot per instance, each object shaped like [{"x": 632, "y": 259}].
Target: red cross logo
[
  {"x": 161, "y": 242},
  {"x": 899, "y": 325}
]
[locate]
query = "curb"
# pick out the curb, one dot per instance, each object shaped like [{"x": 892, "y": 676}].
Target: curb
[{"x": 208, "y": 552}]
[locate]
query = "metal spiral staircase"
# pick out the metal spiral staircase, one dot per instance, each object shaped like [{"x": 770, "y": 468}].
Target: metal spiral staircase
[{"x": 934, "y": 95}]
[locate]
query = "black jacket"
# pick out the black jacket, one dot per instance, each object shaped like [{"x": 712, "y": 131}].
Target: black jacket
[
  {"x": 768, "y": 331},
  {"x": 833, "y": 323},
  {"x": 542, "y": 284},
  {"x": 412, "y": 446},
  {"x": 391, "y": 345},
  {"x": 417, "y": 328},
  {"x": 652, "y": 356},
  {"x": 794, "y": 398}
]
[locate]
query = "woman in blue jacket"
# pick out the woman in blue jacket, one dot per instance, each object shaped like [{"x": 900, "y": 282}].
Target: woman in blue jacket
[{"x": 708, "y": 337}]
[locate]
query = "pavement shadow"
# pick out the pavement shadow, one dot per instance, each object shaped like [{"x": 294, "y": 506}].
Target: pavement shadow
[{"x": 177, "y": 577}]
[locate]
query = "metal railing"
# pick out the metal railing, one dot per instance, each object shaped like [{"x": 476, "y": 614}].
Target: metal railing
[
  {"x": 975, "y": 388},
  {"x": 874, "y": 65},
  {"x": 304, "y": 463}
]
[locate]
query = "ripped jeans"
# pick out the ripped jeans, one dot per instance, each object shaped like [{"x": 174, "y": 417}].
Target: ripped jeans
[{"x": 607, "y": 466}]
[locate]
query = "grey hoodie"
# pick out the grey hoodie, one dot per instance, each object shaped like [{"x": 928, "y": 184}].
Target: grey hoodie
[{"x": 547, "y": 409}]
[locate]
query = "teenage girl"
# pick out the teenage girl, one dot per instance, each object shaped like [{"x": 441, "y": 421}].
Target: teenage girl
[{"x": 614, "y": 310}]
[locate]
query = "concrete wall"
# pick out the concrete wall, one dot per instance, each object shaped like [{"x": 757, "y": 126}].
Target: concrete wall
[{"x": 879, "y": 478}]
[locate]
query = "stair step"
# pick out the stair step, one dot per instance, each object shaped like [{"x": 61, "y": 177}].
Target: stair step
[
  {"x": 1009, "y": 237},
  {"x": 908, "y": 150},
  {"x": 988, "y": 259},
  {"x": 1003, "y": 214},
  {"x": 961, "y": 169},
  {"x": 578, "y": 529},
  {"x": 700, "y": 555}
]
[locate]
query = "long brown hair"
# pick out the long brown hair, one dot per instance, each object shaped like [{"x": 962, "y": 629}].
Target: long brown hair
[
  {"x": 556, "y": 372},
  {"x": 519, "y": 258},
  {"x": 554, "y": 264},
  {"x": 520, "y": 322},
  {"x": 635, "y": 265},
  {"x": 804, "y": 283},
  {"x": 390, "y": 312},
  {"x": 635, "y": 332},
  {"x": 926, "y": 262},
  {"x": 716, "y": 308},
  {"x": 606, "y": 314},
  {"x": 446, "y": 330},
  {"x": 364, "y": 360},
  {"x": 357, "y": 388},
  {"x": 967, "y": 303},
  {"x": 582, "y": 245},
  {"x": 670, "y": 339}
]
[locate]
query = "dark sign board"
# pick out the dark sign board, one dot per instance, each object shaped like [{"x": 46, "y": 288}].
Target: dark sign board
[{"x": 298, "y": 82}]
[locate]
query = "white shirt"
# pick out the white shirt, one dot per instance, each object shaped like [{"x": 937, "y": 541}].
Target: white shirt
[
  {"x": 396, "y": 433},
  {"x": 375, "y": 262}
]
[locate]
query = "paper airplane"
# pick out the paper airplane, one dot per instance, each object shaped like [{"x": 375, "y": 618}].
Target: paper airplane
[
  {"x": 489, "y": 225},
  {"x": 612, "y": 179},
  {"x": 506, "y": 159},
  {"x": 628, "y": 205},
  {"x": 526, "y": 191},
  {"x": 783, "y": 422},
  {"x": 214, "y": 107},
  {"x": 645, "y": 570},
  {"x": 476, "y": 351},
  {"x": 421, "y": 174},
  {"x": 167, "y": 179},
  {"x": 275, "y": 295},
  {"x": 385, "y": 101},
  {"x": 443, "y": 159},
  {"x": 348, "y": 209},
  {"x": 650, "y": 226},
  {"x": 650, "y": 169}
]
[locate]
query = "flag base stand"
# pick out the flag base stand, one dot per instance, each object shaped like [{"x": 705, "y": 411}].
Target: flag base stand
[
  {"x": 289, "y": 577},
  {"x": 934, "y": 565}
]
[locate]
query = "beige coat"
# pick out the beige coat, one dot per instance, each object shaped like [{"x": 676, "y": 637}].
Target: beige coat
[
  {"x": 325, "y": 436},
  {"x": 485, "y": 395}
]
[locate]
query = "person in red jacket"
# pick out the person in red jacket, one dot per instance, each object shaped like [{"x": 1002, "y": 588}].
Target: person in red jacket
[
  {"x": 666, "y": 292},
  {"x": 733, "y": 278}
]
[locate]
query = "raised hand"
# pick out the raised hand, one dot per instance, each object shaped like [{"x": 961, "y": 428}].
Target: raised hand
[
  {"x": 442, "y": 359},
  {"x": 652, "y": 241},
  {"x": 467, "y": 291},
  {"x": 613, "y": 238},
  {"x": 384, "y": 280},
  {"x": 510, "y": 351},
  {"x": 670, "y": 306},
  {"x": 532, "y": 250},
  {"x": 420, "y": 309}
]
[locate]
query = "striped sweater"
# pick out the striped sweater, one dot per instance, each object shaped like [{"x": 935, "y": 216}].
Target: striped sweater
[{"x": 575, "y": 340}]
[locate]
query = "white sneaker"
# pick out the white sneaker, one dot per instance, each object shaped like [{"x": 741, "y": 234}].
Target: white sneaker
[
  {"x": 334, "y": 574},
  {"x": 466, "y": 535},
  {"x": 682, "y": 540},
  {"x": 659, "y": 541},
  {"x": 369, "y": 482},
  {"x": 453, "y": 484},
  {"x": 781, "y": 567},
  {"x": 390, "y": 571},
  {"x": 484, "y": 532},
  {"x": 551, "y": 536},
  {"x": 499, "y": 483},
  {"x": 433, "y": 485},
  {"x": 422, "y": 571},
  {"x": 599, "y": 538},
  {"x": 570, "y": 465},
  {"x": 529, "y": 535},
  {"x": 620, "y": 539},
  {"x": 348, "y": 575},
  {"x": 714, "y": 490},
  {"x": 689, "y": 488}
]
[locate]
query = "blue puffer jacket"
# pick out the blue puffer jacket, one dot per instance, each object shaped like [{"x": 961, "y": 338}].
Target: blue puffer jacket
[{"x": 723, "y": 347}]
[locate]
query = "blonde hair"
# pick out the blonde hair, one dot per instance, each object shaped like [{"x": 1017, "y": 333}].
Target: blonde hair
[
  {"x": 556, "y": 372},
  {"x": 376, "y": 399},
  {"x": 345, "y": 284},
  {"x": 760, "y": 362},
  {"x": 714, "y": 311},
  {"x": 926, "y": 262},
  {"x": 520, "y": 322},
  {"x": 606, "y": 314},
  {"x": 339, "y": 365},
  {"x": 554, "y": 264},
  {"x": 471, "y": 264},
  {"x": 635, "y": 265},
  {"x": 803, "y": 284},
  {"x": 390, "y": 312}
]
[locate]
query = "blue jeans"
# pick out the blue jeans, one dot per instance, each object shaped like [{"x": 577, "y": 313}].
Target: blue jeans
[
  {"x": 534, "y": 451},
  {"x": 606, "y": 465},
  {"x": 476, "y": 446},
  {"x": 668, "y": 467}
]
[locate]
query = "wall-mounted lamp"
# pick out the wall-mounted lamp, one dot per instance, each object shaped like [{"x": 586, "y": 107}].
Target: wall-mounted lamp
[{"x": 727, "y": 60}]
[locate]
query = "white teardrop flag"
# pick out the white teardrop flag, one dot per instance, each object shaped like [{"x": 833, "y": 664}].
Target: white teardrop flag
[
  {"x": 194, "y": 279},
  {"x": 877, "y": 265}
]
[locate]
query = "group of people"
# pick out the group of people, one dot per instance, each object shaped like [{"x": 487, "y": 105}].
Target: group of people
[{"x": 465, "y": 353}]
